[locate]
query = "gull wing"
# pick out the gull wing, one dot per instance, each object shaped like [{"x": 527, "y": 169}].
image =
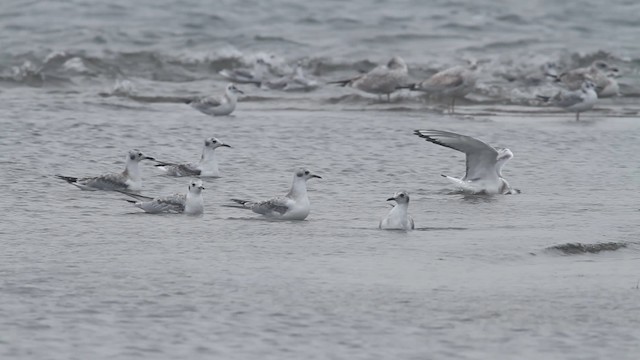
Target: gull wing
[
  {"x": 180, "y": 169},
  {"x": 446, "y": 79},
  {"x": 109, "y": 182},
  {"x": 276, "y": 206},
  {"x": 567, "y": 99},
  {"x": 173, "y": 203},
  {"x": 481, "y": 158}
]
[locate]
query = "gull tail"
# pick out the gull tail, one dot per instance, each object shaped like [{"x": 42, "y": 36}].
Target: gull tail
[
  {"x": 69, "y": 179},
  {"x": 543, "y": 98},
  {"x": 242, "y": 204},
  {"x": 412, "y": 87},
  {"x": 135, "y": 196}
]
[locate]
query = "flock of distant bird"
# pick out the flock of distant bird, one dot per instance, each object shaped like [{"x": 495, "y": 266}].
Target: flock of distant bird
[{"x": 483, "y": 162}]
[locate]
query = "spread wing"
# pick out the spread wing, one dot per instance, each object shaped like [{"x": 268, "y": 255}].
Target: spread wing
[
  {"x": 179, "y": 169},
  {"x": 481, "y": 158}
]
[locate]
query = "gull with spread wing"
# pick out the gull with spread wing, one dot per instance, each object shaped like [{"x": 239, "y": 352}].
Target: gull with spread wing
[{"x": 484, "y": 162}]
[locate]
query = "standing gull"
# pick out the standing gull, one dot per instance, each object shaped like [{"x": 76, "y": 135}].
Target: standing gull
[
  {"x": 190, "y": 203},
  {"x": 206, "y": 167},
  {"x": 218, "y": 105},
  {"x": 454, "y": 82},
  {"x": 254, "y": 76},
  {"x": 574, "y": 101},
  {"x": 129, "y": 179},
  {"x": 293, "y": 206},
  {"x": 484, "y": 162},
  {"x": 600, "y": 73},
  {"x": 382, "y": 80},
  {"x": 398, "y": 218}
]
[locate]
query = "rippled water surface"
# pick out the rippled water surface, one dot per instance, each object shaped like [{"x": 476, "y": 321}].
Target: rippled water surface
[{"x": 86, "y": 275}]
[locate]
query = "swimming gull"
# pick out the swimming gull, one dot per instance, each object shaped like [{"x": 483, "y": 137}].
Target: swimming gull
[
  {"x": 218, "y": 105},
  {"x": 293, "y": 206},
  {"x": 190, "y": 203},
  {"x": 454, "y": 82},
  {"x": 574, "y": 101},
  {"x": 129, "y": 179},
  {"x": 398, "y": 218},
  {"x": 206, "y": 167},
  {"x": 255, "y": 76},
  {"x": 484, "y": 162},
  {"x": 382, "y": 80}
]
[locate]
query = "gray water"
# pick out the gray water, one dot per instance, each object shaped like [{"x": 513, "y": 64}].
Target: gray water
[{"x": 84, "y": 275}]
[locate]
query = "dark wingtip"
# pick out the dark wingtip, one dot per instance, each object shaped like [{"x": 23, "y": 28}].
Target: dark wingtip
[
  {"x": 68, "y": 179},
  {"x": 443, "y": 175}
]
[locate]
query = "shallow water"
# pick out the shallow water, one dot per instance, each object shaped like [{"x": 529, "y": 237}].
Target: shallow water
[{"x": 86, "y": 275}]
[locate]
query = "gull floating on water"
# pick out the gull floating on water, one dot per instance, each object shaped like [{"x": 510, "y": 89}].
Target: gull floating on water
[
  {"x": 293, "y": 206},
  {"x": 484, "y": 162},
  {"x": 206, "y": 167},
  {"x": 454, "y": 82},
  {"x": 218, "y": 105},
  {"x": 574, "y": 101},
  {"x": 255, "y": 76},
  {"x": 129, "y": 179},
  {"x": 600, "y": 73},
  {"x": 190, "y": 203},
  {"x": 294, "y": 81},
  {"x": 398, "y": 218},
  {"x": 382, "y": 80}
]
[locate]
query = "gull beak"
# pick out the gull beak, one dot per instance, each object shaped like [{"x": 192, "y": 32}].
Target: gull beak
[
  {"x": 225, "y": 145},
  {"x": 316, "y": 176},
  {"x": 149, "y": 158},
  {"x": 201, "y": 187},
  {"x": 391, "y": 199}
]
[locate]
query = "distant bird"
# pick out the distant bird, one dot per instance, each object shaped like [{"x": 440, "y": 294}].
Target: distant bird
[
  {"x": 128, "y": 180},
  {"x": 218, "y": 105},
  {"x": 256, "y": 76},
  {"x": 206, "y": 167},
  {"x": 190, "y": 203},
  {"x": 599, "y": 72},
  {"x": 484, "y": 162},
  {"x": 454, "y": 82},
  {"x": 293, "y": 206},
  {"x": 574, "y": 101},
  {"x": 382, "y": 80},
  {"x": 296, "y": 81},
  {"x": 398, "y": 218}
]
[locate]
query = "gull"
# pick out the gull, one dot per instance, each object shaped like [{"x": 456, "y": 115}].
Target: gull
[
  {"x": 218, "y": 105},
  {"x": 294, "y": 81},
  {"x": 243, "y": 76},
  {"x": 454, "y": 82},
  {"x": 574, "y": 101},
  {"x": 190, "y": 203},
  {"x": 293, "y": 206},
  {"x": 129, "y": 179},
  {"x": 398, "y": 218},
  {"x": 382, "y": 80},
  {"x": 484, "y": 162},
  {"x": 599, "y": 72},
  {"x": 206, "y": 167}
]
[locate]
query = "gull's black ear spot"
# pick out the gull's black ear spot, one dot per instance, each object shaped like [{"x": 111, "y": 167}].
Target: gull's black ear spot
[
  {"x": 306, "y": 172},
  {"x": 132, "y": 157}
]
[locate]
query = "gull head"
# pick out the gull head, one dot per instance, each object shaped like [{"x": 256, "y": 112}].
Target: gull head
[
  {"x": 305, "y": 174},
  {"x": 213, "y": 143},
  {"x": 396, "y": 62},
  {"x": 137, "y": 156},
  {"x": 232, "y": 89},
  {"x": 504, "y": 154},
  {"x": 195, "y": 186},
  {"x": 401, "y": 197},
  {"x": 588, "y": 85}
]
